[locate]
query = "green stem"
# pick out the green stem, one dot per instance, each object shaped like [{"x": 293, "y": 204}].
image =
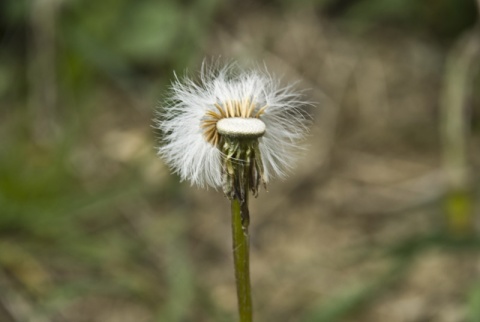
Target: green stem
[{"x": 240, "y": 221}]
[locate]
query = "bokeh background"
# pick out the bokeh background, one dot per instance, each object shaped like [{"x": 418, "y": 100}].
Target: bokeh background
[{"x": 377, "y": 223}]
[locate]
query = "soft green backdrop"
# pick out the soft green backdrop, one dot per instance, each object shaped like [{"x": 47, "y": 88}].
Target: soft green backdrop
[{"x": 94, "y": 228}]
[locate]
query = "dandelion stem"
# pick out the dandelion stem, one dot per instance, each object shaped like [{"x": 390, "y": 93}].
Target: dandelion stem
[{"x": 240, "y": 221}]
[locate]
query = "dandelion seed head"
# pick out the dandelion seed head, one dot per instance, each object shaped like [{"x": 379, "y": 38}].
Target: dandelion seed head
[{"x": 229, "y": 101}]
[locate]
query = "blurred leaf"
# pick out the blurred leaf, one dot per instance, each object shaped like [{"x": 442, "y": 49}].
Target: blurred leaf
[
  {"x": 14, "y": 11},
  {"x": 342, "y": 305},
  {"x": 339, "y": 306},
  {"x": 444, "y": 18},
  {"x": 179, "y": 274},
  {"x": 415, "y": 245},
  {"x": 6, "y": 76},
  {"x": 474, "y": 303},
  {"x": 150, "y": 30}
]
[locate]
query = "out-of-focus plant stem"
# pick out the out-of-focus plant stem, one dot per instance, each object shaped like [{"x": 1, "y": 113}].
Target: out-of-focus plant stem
[
  {"x": 461, "y": 67},
  {"x": 42, "y": 70},
  {"x": 240, "y": 222}
]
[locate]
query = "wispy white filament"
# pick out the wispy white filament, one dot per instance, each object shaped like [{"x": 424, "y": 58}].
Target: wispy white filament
[{"x": 185, "y": 148}]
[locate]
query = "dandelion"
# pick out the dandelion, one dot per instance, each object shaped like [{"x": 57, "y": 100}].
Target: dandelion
[{"x": 233, "y": 130}]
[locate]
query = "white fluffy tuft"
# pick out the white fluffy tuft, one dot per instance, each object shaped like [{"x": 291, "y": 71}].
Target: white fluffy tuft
[{"x": 187, "y": 152}]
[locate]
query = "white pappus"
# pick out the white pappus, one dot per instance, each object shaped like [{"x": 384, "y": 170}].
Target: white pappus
[{"x": 193, "y": 121}]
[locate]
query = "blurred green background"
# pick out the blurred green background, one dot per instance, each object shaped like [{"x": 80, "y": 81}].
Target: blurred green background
[{"x": 378, "y": 222}]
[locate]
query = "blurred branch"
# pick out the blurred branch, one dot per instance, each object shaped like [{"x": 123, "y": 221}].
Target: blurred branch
[
  {"x": 457, "y": 89},
  {"x": 42, "y": 67},
  {"x": 461, "y": 67}
]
